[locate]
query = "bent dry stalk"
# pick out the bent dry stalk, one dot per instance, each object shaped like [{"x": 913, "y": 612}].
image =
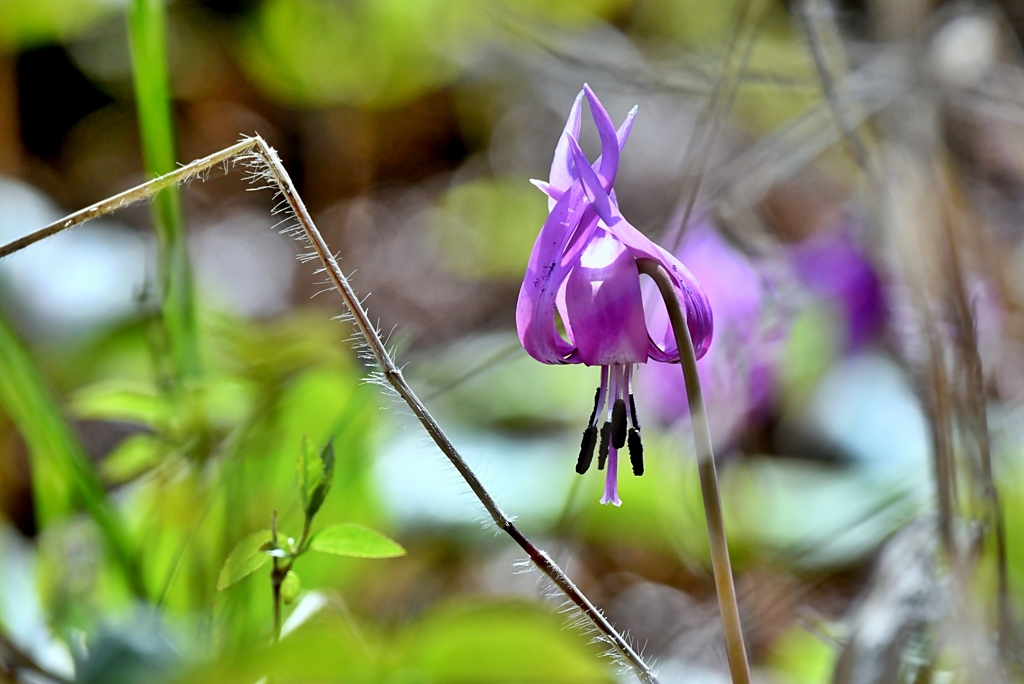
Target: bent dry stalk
[
  {"x": 265, "y": 164},
  {"x": 720, "y": 563}
]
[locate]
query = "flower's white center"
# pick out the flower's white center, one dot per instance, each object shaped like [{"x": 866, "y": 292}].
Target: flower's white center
[{"x": 602, "y": 251}]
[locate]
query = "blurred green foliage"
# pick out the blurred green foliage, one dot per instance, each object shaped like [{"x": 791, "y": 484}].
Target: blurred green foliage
[
  {"x": 27, "y": 23},
  {"x": 62, "y": 478},
  {"x": 486, "y": 228},
  {"x": 315, "y": 52},
  {"x": 382, "y": 53},
  {"x": 191, "y": 499},
  {"x": 493, "y": 641},
  {"x": 803, "y": 658}
]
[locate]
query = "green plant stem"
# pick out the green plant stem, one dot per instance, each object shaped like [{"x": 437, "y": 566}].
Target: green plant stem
[
  {"x": 62, "y": 475},
  {"x": 276, "y": 578},
  {"x": 304, "y": 539},
  {"x": 720, "y": 562},
  {"x": 147, "y": 37},
  {"x": 279, "y": 571}
]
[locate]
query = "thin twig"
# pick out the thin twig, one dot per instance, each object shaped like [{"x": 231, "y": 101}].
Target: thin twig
[
  {"x": 975, "y": 418},
  {"x": 712, "y": 117},
  {"x": 257, "y": 148},
  {"x": 810, "y": 13},
  {"x": 780, "y": 155},
  {"x": 720, "y": 562},
  {"x": 131, "y": 196}
]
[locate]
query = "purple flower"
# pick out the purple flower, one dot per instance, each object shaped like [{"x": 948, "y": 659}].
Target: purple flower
[
  {"x": 583, "y": 268},
  {"x": 832, "y": 266},
  {"x": 740, "y": 375}
]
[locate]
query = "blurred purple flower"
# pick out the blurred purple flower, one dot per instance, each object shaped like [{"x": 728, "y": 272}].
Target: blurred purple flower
[
  {"x": 739, "y": 374},
  {"x": 832, "y": 267},
  {"x": 735, "y": 374},
  {"x": 583, "y": 267}
]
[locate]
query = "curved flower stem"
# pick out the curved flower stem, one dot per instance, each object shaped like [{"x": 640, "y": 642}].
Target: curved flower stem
[
  {"x": 276, "y": 577},
  {"x": 265, "y": 166},
  {"x": 720, "y": 563}
]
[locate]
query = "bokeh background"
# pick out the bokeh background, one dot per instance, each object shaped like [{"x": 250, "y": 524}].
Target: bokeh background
[{"x": 845, "y": 179}]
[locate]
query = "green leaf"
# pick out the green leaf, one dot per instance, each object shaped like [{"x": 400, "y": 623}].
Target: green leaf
[
  {"x": 348, "y": 539},
  {"x": 290, "y": 586},
  {"x": 246, "y": 558},
  {"x": 314, "y": 474}
]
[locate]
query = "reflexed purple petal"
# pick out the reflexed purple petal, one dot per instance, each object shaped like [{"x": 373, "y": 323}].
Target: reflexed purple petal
[
  {"x": 609, "y": 161},
  {"x": 736, "y": 374},
  {"x": 545, "y": 273},
  {"x": 730, "y": 283},
  {"x": 662, "y": 346},
  {"x": 553, "y": 193},
  {"x": 622, "y": 135},
  {"x": 603, "y": 301},
  {"x": 563, "y": 312},
  {"x": 591, "y": 184},
  {"x": 561, "y": 175}
]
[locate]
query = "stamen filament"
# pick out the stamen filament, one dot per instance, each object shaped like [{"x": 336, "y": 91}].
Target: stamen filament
[
  {"x": 597, "y": 405},
  {"x": 613, "y": 388},
  {"x": 602, "y": 395},
  {"x": 602, "y": 449},
  {"x": 632, "y": 412}
]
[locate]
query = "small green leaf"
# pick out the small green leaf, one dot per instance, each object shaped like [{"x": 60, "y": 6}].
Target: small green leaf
[
  {"x": 246, "y": 558},
  {"x": 314, "y": 474},
  {"x": 348, "y": 539},
  {"x": 290, "y": 586}
]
